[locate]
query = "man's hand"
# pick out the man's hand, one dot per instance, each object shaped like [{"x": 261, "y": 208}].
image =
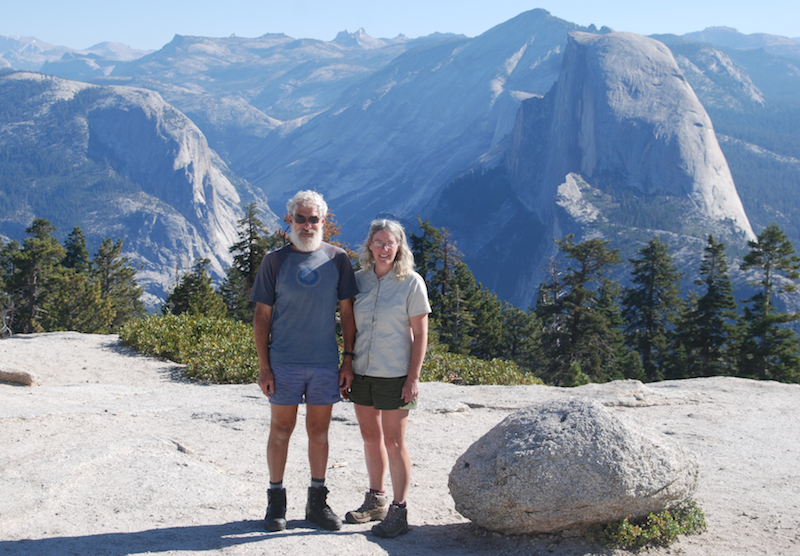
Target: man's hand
[
  {"x": 266, "y": 381},
  {"x": 345, "y": 377}
]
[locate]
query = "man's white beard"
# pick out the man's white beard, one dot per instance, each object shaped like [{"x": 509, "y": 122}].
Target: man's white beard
[{"x": 305, "y": 244}]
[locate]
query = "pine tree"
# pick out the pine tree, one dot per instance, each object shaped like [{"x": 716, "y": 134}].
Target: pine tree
[
  {"x": 8, "y": 254},
  {"x": 446, "y": 259},
  {"x": 35, "y": 265},
  {"x": 466, "y": 316},
  {"x": 628, "y": 364},
  {"x": 521, "y": 333},
  {"x": 76, "y": 303},
  {"x": 76, "y": 255},
  {"x": 7, "y": 272},
  {"x": 487, "y": 326},
  {"x": 254, "y": 242},
  {"x": 426, "y": 248},
  {"x": 436, "y": 259},
  {"x": 456, "y": 323},
  {"x": 117, "y": 281},
  {"x": 576, "y": 320},
  {"x": 651, "y": 306},
  {"x": 707, "y": 326},
  {"x": 768, "y": 349},
  {"x": 195, "y": 294}
]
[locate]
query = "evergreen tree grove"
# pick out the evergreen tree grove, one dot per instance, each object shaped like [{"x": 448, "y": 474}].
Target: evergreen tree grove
[
  {"x": 51, "y": 287},
  {"x": 467, "y": 317}
]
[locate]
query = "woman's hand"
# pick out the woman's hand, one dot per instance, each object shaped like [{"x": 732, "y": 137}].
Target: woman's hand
[{"x": 410, "y": 390}]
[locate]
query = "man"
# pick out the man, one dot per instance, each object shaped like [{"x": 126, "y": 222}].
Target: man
[{"x": 296, "y": 291}]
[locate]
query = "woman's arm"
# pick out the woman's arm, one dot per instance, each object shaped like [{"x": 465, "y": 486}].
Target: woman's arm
[{"x": 419, "y": 326}]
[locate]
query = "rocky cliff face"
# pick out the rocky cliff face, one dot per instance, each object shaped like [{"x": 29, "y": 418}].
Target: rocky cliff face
[
  {"x": 120, "y": 162},
  {"x": 620, "y": 148},
  {"x": 622, "y": 115}
]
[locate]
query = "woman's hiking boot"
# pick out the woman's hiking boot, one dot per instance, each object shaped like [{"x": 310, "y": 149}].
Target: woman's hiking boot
[
  {"x": 394, "y": 524},
  {"x": 374, "y": 508}
]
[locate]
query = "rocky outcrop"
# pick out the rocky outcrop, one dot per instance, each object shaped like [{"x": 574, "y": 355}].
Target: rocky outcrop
[
  {"x": 567, "y": 464},
  {"x": 620, "y": 148},
  {"x": 128, "y": 165},
  {"x": 622, "y": 115}
]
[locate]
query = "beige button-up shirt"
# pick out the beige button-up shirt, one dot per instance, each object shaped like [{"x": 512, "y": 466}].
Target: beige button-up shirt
[{"x": 383, "y": 309}]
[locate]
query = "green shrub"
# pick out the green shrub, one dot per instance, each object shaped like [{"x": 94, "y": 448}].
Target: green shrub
[
  {"x": 656, "y": 529},
  {"x": 213, "y": 349},
  {"x": 223, "y": 351},
  {"x": 443, "y": 366},
  {"x": 225, "y": 359}
]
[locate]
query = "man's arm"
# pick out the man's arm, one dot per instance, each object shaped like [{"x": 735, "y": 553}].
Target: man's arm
[
  {"x": 349, "y": 339},
  {"x": 262, "y": 323}
]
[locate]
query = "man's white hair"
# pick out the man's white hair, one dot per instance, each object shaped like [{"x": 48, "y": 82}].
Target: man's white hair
[{"x": 308, "y": 199}]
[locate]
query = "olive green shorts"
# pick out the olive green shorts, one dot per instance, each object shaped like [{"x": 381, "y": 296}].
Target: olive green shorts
[{"x": 380, "y": 393}]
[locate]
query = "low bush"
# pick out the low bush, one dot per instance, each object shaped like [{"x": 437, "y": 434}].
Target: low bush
[
  {"x": 223, "y": 351},
  {"x": 656, "y": 529},
  {"x": 443, "y": 366},
  {"x": 213, "y": 349}
]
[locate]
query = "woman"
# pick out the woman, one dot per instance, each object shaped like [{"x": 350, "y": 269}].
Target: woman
[{"x": 391, "y": 313}]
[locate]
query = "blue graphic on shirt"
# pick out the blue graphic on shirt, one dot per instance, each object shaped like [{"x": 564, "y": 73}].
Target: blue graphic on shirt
[{"x": 308, "y": 276}]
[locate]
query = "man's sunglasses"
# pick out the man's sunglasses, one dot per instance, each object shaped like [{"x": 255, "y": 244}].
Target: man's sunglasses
[{"x": 300, "y": 219}]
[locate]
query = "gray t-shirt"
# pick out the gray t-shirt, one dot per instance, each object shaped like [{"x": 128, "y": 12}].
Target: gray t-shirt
[{"x": 302, "y": 289}]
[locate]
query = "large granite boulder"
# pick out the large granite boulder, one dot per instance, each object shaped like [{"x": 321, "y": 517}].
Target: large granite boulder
[{"x": 568, "y": 464}]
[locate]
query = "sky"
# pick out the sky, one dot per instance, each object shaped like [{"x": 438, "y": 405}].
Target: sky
[{"x": 150, "y": 24}]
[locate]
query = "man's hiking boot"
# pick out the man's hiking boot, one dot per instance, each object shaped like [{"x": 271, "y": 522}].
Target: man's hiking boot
[
  {"x": 394, "y": 524},
  {"x": 374, "y": 508},
  {"x": 318, "y": 511},
  {"x": 275, "y": 520}
]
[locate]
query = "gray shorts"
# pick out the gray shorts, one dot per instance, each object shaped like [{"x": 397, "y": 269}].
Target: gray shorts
[
  {"x": 310, "y": 385},
  {"x": 380, "y": 393}
]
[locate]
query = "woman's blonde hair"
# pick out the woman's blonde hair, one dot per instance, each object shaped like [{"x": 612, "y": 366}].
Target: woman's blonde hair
[{"x": 403, "y": 261}]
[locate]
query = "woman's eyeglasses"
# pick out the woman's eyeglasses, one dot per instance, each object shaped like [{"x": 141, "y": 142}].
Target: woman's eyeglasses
[{"x": 381, "y": 245}]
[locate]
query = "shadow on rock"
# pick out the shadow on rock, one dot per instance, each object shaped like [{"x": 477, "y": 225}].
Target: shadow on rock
[
  {"x": 467, "y": 538},
  {"x": 198, "y": 538}
]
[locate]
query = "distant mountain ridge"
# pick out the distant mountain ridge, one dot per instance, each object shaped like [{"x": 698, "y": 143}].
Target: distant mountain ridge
[
  {"x": 729, "y": 37},
  {"x": 468, "y": 132},
  {"x": 31, "y": 54}
]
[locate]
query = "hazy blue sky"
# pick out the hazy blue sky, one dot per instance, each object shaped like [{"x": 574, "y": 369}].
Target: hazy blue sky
[{"x": 149, "y": 24}]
